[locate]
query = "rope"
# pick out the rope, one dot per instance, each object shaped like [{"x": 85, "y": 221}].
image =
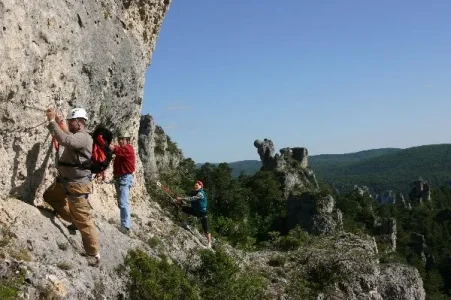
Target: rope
[{"x": 168, "y": 192}]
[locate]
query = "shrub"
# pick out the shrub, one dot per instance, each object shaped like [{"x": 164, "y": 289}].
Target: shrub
[
  {"x": 277, "y": 261},
  {"x": 292, "y": 241},
  {"x": 220, "y": 278},
  {"x": 64, "y": 266},
  {"x": 10, "y": 288},
  {"x": 153, "y": 242},
  {"x": 150, "y": 278}
]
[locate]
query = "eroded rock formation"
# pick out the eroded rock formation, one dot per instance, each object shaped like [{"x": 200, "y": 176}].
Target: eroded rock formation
[
  {"x": 157, "y": 152},
  {"x": 305, "y": 207},
  {"x": 420, "y": 191}
]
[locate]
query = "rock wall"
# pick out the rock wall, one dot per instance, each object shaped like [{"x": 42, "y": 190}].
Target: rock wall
[
  {"x": 65, "y": 54},
  {"x": 86, "y": 53},
  {"x": 156, "y": 150},
  {"x": 314, "y": 213}
]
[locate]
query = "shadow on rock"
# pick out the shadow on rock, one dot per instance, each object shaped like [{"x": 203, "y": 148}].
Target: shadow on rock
[
  {"x": 27, "y": 190},
  {"x": 52, "y": 216}
]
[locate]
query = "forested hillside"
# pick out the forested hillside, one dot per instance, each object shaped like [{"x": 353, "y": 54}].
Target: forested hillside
[{"x": 379, "y": 169}]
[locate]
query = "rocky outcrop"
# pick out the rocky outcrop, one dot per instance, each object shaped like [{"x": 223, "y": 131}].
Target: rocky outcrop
[
  {"x": 315, "y": 214},
  {"x": 266, "y": 152},
  {"x": 420, "y": 191},
  {"x": 156, "y": 150},
  {"x": 398, "y": 281},
  {"x": 291, "y": 163},
  {"x": 387, "y": 197},
  {"x": 342, "y": 266},
  {"x": 419, "y": 246},
  {"x": 386, "y": 233},
  {"x": 65, "y": 54},
  {"x": 363, "y": 190}
]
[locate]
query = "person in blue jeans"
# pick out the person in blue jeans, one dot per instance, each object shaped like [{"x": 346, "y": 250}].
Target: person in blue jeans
[
  {"x": 198, "y": 208},
  {"x": 123, "y": 169}
]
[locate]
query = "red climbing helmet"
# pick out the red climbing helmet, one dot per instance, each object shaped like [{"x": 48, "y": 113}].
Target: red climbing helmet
[{"x": 200, "y": 183}]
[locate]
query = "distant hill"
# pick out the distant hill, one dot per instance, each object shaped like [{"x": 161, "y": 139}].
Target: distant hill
[
  {"x": 250, "y": 167},
  {"x": 394, "y": 170},
  {"x": 247, "y": 167},
  {"x": 379, "y": 169},
  {"x": 350, "y": 157}
]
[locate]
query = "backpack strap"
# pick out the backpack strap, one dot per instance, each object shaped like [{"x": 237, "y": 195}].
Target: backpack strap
[{"x": 65, "y": 164}]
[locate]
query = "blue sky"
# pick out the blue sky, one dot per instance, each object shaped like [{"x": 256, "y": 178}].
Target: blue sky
[{"x": 331, "y": 76}]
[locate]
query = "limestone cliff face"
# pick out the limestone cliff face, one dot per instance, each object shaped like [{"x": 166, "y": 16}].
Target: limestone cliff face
[
  {"x": 87, "y": 53},
  {"x": 157, "y": 152},
  {"x": 65, "y": 54}
]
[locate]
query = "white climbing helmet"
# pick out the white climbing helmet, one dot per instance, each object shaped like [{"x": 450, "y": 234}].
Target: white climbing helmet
[{"x": 77, "y": 113}]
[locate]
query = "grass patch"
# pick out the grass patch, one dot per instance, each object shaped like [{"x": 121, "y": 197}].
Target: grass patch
[
  {"x": 277, "y": 261},
  {"x": 10, "y": 288},
  {"x": 154, "y": 242},
  {"x": 63, "y": 246},
  {"x": 4, "y": 241},
  {"x": 64, "y": 266},
  {"x": 20, "y": 254}
]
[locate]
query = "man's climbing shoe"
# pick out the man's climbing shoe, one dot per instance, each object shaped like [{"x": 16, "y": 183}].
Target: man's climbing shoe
[
  {"x": 94, "y": 260},
  {"x": 124, "y": 230}
]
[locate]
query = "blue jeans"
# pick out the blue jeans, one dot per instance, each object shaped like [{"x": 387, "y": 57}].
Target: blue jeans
[{"x": 123, "y": 184}]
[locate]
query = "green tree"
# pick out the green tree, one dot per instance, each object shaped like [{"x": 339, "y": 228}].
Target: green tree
[{"x": 266, "y": 202}]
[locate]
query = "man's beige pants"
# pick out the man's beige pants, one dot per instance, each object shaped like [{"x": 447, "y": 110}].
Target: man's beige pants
[{"x": 70, "y": 201}]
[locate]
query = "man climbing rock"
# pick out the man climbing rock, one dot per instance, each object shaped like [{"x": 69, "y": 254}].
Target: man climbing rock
[
  {"x": 198, "y": 208},
  {"x": 69, "y": 194},
  {"x": 123, "y": 169}
]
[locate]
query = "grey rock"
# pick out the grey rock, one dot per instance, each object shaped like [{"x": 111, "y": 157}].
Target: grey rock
[
  {"x": 386, "y": 228},
  {"x": 387, "y": 197},
  {"x": 291, "y": 163},
  {"x": 420, "y": 247},
  {"x": 88, "y": 53},
  {"x": 402, "y": 282},
  {"x": 360, "y": 190},
  {"x": 420, "y": 191},
  {"x": 345, "y": 267},
  {"x": 157, "y": 152},
  {"x": 266, "y": 152},
  {"x": 315, "y": 214},
  {"x": 9, "y": 268}
]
